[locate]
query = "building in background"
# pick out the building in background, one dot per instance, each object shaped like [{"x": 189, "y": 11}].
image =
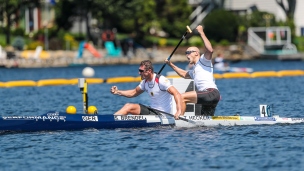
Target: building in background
[
  {"x": 270, "y": 6},
  {"x": 203, "y": 7},
  {"x": 34, "y": 18}
]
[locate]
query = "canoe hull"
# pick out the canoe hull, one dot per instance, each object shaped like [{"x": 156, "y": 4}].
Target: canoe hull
[
  {"x": 206, "y": 121},
  {"x": 62, "y": 121}
]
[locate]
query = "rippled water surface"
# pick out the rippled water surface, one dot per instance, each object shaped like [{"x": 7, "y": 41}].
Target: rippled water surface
[{"x": 276, "y": 147}]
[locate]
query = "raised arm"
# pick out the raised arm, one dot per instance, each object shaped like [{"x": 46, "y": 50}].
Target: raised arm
[{"x": 208, "y": 47}]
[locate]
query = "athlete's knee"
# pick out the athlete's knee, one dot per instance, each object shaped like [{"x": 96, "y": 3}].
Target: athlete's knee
[
  {"x": 129, "y": 106},
  {"x": 185, "y": 98}
]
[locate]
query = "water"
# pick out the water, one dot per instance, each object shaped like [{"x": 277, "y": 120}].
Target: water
[{"x": 277, "y": 147}]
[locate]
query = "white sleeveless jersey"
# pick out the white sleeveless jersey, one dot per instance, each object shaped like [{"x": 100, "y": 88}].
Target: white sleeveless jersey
[
  {"x": 157, "y": 90},
  {"x": 202, "y": 74}
]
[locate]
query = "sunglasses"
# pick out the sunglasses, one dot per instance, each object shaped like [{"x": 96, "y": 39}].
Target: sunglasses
[
  {"x": 140, "y": 70},
  {"x": 189, "y": 52}
]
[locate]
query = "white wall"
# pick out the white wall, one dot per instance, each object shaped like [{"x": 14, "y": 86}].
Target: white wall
[
  {"x": 299, "y": 16},
  {"x": 272, "y": 7},
  {"x": 263, "y": 5}
]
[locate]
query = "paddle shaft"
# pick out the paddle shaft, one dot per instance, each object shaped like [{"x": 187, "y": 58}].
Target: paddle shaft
[
  {"x": 181, "y": 118},
  {"x": 184, "y": 36}
]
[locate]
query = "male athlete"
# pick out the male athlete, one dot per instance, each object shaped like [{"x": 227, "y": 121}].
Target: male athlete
[
  {"x": 206, "y": 93},
  {"x": 159, "y": 89}
]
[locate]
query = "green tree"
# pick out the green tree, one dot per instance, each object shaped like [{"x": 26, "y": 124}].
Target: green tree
[
  {"x": 257, "y": 19},
  {"x": 218, "y": 27},
  {"x": 9, "y": 9},
  {"x": 173, "y": 16},
  {"x": 64, "y": 13},
  {"x": 288, "y": 9},
  {"x": 127, "y": 16},
  {"x": 139, "y": 16}
]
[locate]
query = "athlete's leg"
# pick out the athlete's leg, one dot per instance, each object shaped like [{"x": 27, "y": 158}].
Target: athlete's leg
[
  {"x": 188, "y": 97},
  {"x": 129, "y": 108},
  {"x": 208, "y": 99}
]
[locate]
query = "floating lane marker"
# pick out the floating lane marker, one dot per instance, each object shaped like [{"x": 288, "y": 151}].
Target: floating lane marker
[
  {"x": 127, "y": 79},
  {"x": 2, "y": 84},
  {"x": 53, "y": 82},
  {"x": 94, "y": 80},
  {"x": 286, "y": 73},
  {"x": 88, "y": 80},
  {"x": 264, "y": 74},
  {"x": 21, "y": 83},
  {"x": 120, "y": 80},
  {"x": 236, "y": 75},
  {"x": 217, "y": 76}
]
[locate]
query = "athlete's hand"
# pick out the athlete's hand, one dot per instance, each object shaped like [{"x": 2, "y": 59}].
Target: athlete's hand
[
  {"x": 168, "y": 62},
  {"x": 114, "y": 89},
  {"x": 176, "y": 116},
  {"x": 200, "y": 29}
]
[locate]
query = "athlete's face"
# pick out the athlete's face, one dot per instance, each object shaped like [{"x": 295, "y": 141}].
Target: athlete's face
[
  {"x": 144, "y": 73},
  {"x": 190, "y": 54}
]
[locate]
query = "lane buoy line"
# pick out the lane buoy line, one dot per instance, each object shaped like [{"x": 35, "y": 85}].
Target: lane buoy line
[{"x": 126, "y": 79}]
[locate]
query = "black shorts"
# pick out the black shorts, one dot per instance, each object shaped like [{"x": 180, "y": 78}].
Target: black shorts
[
  {"x": 146, "y": 111},
  {"x": 208, "y": 99}
]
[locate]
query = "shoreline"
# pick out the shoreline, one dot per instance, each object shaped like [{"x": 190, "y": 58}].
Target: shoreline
[{"x": 69, "y": 58}]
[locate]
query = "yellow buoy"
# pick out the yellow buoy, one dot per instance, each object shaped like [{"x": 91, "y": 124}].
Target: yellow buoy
[
  {"x": 92, "y": 110},
  {"x": 71, "y": 110}
]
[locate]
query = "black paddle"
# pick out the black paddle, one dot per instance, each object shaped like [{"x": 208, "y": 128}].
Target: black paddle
[
  {"x": 184, "y": 36},
  {"x": 159, "y": 111}
]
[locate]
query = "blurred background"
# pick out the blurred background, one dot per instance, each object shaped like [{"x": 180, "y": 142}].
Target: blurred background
[{"x": 48, "y": 33}]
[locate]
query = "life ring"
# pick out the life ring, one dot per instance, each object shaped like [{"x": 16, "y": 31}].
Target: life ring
[{"x": 107, "y": 36}]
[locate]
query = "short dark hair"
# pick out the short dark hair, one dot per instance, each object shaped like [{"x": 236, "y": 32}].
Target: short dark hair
[{"x": 147, "y": 64}]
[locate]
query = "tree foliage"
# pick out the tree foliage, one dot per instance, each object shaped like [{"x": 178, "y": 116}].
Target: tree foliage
[
  {"x": 218, "y": 27},
  {"x": 135, "y": 16},
  {"x": 288, "y": 9},
  {"x": 10, "y": 8},
  {"x": 173, "y": 16}
]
